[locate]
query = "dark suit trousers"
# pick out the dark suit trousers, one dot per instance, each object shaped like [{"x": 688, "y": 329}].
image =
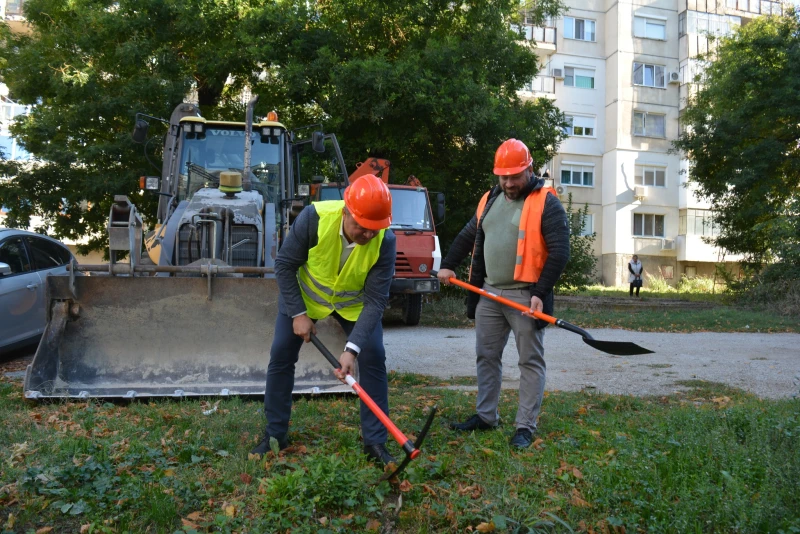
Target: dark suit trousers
[{"x": 280, "y": 379}]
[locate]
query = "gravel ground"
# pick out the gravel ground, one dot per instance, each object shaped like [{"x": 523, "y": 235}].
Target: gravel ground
[{"x": 767, "y": 365}]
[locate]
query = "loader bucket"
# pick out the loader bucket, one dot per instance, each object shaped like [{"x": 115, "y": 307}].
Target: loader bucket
[{"x": 129, "y": 337}]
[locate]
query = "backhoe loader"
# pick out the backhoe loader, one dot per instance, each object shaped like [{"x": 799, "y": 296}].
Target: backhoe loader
[{"x": 195, "y": 314}]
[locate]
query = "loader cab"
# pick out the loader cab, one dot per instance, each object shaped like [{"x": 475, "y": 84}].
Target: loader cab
[
  {"x": 317, "y": 160},
  {"x": 208, "y": 148}
]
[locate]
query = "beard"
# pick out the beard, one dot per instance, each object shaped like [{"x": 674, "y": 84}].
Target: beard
[{"x": 512, "y": 194}]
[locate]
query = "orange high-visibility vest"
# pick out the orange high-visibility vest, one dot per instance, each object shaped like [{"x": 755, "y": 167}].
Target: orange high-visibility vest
[{"x": 531, "y": 248}]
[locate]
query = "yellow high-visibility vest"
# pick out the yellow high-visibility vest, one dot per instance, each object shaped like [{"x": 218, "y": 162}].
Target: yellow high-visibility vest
[{"x": 323, "y": 287}]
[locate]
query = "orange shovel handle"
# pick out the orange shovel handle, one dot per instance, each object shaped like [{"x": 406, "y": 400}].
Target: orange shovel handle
[{"x": 502, "y": 300}]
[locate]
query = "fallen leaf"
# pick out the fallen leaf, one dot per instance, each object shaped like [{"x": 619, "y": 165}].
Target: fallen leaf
[
  {"x": 194, "y": 516},
  {"x": 245, "y": 478},
  {"x": 577, "y": 499},
  {"x": 323, "y": 521},
  {"x": 169, "y": 472},
  {"x": 537, "y": 443},
  {"x": 230, "y": 510},
  {"x": 405, "y": 486},
  {"x": 44, "y": 530},
  {"x": 85, "y": 528},
  {"x": 373, "y": 525},
  {"x": 189, "y": 524},
  {"x": 576, "y": 473},
  {"x": 10, "y": 522},
  {"x": 427, "y": 489},
  {"x": 485, "y": 527}
]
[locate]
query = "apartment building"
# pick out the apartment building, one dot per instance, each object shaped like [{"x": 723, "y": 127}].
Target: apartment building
[{"x": 622, "y": 72}]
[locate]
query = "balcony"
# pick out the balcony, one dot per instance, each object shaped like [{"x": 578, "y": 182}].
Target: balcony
[
  {"x": 13, "y": 16},
  {"x": 542, "y": 38},
  {"x": 539, "y": 86}
]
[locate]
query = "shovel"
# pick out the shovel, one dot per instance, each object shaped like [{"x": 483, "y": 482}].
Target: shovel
[
  {"x": 618, "y": 348},
  {"x": 412, "y": 450}
]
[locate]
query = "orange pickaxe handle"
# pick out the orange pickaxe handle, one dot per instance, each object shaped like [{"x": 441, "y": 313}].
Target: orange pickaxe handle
[{"x": 397, "y": 434}]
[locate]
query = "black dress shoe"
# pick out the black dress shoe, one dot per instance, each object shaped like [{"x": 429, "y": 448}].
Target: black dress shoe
[
  {"x": 473, "y": 423},
  {"x": 522, "y": 438},
  {"x": 263, "y": 446},
  {"x": 378, "y": 453}
]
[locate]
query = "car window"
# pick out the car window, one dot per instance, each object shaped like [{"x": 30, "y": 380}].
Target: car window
[
  {"x": 47, "y": 254},
  {"x": 12, "y": 252}
]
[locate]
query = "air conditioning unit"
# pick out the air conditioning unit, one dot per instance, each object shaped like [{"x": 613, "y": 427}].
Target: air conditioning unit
[
  {"x": 558, "y": 74},
  {"x": 561, "y": 190},
  {"x": 639, "y": 192},
  {"x": 668, "y": 244},
  {"x": 674, "y": 77}
]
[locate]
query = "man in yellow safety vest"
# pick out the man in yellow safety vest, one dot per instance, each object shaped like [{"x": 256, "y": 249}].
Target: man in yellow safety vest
[{"x": 338, "y": 259}]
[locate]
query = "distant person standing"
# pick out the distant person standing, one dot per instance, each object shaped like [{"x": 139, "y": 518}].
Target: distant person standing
[{"x": 635, "y": 271}]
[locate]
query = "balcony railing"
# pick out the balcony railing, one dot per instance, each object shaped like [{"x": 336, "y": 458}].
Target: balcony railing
[
  {"x": 540, "y": 34},
  {"x": 541, "y": 84}
]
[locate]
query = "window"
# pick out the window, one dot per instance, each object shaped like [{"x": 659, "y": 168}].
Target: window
[
  {"x": 695, "y": 22},
  {"x": 648, "y": 225},
  {"x": 650, "y": 28},
  {"x": 649, "y": 75},
  {"x": 650, "y": 176},
  {"x": 12, "y": 253},
  {"x": 46, "y": 254},
  {"x": 582, "y": 78},
  {"x": 580, "y": 29},
  {"x": 588, "y": 225},
  {"x": 577, "y": 175},
  {"x": 580, "y": 126},
  {"x": 649, "y": 124},
  {"x": 697, "y": 222}
]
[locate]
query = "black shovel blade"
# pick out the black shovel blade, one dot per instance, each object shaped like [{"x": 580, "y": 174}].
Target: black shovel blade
[
  {"x": 417, "y": 445},
  {"x": 617, "y": 348}
]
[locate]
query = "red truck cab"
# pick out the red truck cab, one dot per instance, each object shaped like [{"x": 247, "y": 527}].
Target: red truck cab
[{"x": 418, "y": 250}]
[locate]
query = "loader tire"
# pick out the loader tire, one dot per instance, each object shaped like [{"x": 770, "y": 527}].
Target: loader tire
[{"x": 412, "y": 309}]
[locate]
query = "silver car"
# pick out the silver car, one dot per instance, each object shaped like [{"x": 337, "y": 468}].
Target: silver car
[{"x": 26, "y": 259}]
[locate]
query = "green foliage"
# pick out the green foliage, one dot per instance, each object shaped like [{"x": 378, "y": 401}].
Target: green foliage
[
  {"x": 707, "y": 459},
  {"x": 430, "y": 86},
  {"x": 579, "y": 272},
  {"x": 741, "y": 135},
  {"x": 698, "y": 284}
]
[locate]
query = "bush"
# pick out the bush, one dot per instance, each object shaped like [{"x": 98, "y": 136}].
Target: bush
[
  {"x": 698, "y": 284},
  {"x": 579, "y": 272},
  {"x": 658, "y": 284}
]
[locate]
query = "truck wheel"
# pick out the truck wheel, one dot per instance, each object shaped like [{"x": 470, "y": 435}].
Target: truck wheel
[{"x": 412, "y": 309}]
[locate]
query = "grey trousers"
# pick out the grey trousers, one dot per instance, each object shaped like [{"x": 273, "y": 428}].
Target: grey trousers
[{"x": 493, "y": 323}]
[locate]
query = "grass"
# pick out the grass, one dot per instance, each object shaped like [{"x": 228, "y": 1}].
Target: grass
[
  {"x": 450, "y": 312},
  {"x": 711, "y": 459}
]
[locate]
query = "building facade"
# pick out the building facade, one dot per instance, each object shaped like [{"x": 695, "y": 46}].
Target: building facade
[{"x": 622, "y": 74}]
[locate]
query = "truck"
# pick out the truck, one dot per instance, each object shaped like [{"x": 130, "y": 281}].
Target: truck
[
  {"x": 195, "y": 314},
  {"x": 413, "y": 222}
]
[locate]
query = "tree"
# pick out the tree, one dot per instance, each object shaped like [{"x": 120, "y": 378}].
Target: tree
[
  {"x": 89, "y": 67},
  {"x": 430, "y": 85},
  {"x": 580, "y": 268},
  {"x": 742, "y": 137}
]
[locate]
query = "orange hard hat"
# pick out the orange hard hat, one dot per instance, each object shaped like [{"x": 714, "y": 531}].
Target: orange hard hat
[
  {"x": 369, "y": 202},
  {"x": 511, "y": 158}
]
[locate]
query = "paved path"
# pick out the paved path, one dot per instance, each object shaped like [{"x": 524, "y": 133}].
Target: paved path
[{"x": 765, "y": 364}]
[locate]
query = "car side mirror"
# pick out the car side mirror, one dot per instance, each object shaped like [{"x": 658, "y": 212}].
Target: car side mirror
[
  {"x": 440, "y": 207},
  {"x": 318, "y": 142},
  {"x": 5, "y": 269},
  {"x": 140, "y": 131}
]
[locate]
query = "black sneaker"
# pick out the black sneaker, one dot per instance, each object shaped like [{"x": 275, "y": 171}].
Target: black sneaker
[
  {"x": 473, "y": 423},
  {"x": 379, "y": 454},
  {"x": 263, "y": 446},
  {"x": 522, "y": 438}
]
